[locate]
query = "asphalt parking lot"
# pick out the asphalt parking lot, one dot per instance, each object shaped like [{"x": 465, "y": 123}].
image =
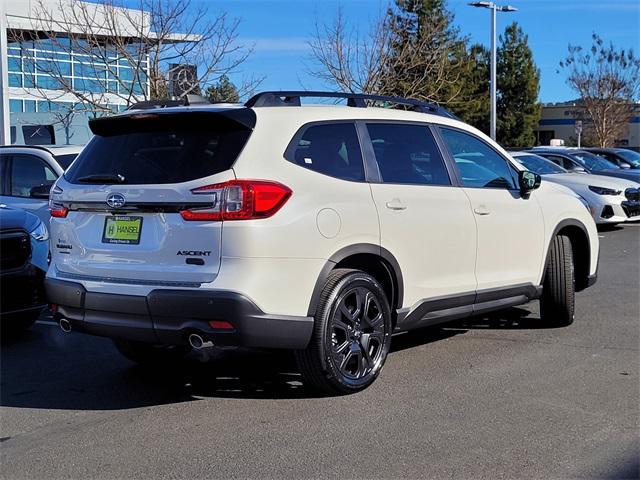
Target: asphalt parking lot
[{"x": 496, "y": 397}]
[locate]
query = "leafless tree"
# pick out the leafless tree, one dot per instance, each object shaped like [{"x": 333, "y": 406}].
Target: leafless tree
[
  {"x": 107, "y": 36},
  {"x": 387, "y": 60},
  {"x": 608, "y": 81}
]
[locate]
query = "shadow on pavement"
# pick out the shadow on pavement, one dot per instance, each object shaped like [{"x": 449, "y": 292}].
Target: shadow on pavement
[
  {"x": 609, "y": 227},
  {"x": 44, "y": 368}
]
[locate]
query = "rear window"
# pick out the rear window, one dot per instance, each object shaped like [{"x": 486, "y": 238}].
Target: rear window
[{"x": 155, "y": 148}]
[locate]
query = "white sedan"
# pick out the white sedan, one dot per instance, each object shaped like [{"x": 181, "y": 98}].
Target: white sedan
[{"x": 611, "y": 200}]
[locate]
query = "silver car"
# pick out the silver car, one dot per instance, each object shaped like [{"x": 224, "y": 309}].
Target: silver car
[{"x": 27, "y": 173}]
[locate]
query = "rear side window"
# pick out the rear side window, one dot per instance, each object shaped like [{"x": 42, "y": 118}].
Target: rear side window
[
  {"x": 65, "y": 160},
  {"x": 331, "y": 149},
  {"x": 407, "y": 154},
  {"x": 159, "y": 148},
  {"x": 27, "y": 172}
]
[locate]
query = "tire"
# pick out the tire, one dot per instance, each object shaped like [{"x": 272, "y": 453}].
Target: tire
[
  {"x": 351, "y": 335},
  {"x": 148, "y": 354},
  {"x": 557, "y": 304}
]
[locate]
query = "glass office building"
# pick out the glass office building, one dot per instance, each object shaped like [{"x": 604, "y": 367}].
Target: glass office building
[
  {"x": 44, "y": 64},
  {"x": 45, "y": 75}
]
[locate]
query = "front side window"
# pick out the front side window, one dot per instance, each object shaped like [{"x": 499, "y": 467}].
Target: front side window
[
  {"x": 331, "y": 149},
  {"x": 27, "y": 172},
  {"x": 478, "y": 163},
  {"x": 563, "y": 162},
  {"x": 407, "y": 154},
  {"x": 593, "y": 162},
  {"x": 539, "y": 165}
]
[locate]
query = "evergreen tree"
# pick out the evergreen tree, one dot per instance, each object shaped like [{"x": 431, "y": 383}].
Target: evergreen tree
[
  {"x": 473, "y": 104},
  {"x": 518, "y": 86},
  {"x": 223, "y": 91},
  {"x": 426, "y": 52}
]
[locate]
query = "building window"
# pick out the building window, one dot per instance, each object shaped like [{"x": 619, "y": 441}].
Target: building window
[
  {"x": 15, "y": 80},
  {"x": 15, "y": 106}
]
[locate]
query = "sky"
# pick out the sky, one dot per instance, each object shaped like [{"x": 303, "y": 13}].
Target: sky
[{"x": 279, "y": 30}]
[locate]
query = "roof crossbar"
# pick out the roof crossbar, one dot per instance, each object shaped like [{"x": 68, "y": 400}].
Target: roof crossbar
[{"x": 292, "y": 99}]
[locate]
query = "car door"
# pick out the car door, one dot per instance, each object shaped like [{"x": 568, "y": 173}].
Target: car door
[
  {"x": 510, "y": 228},
  {"x": 25, "y": 174},
  {"x": 425, "y": 221}
]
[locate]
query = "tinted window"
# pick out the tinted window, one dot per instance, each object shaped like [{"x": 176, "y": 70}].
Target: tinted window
[
  {"x": 478, "y": 163},
  {"x": 563, "y": 162},
  {"x": 38, "y": 135},
  {"x": 157, "y": 149},
  {"x": 332, "y": 149},
  {"x": 539, "y": 165},
  {"x": 27, "y": 172},
  {"x": 407, "y": 154},
  {"x": 630, "y": 156},
  {"x": 593, "y": 162},
  {"x": 65, "y": 160}
]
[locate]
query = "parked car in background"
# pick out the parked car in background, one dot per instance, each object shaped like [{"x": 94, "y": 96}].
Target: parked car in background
[
  {"x": 577, "y": 160},
  {"x": 611, "y": 200},
  {"x": 622, "y": 157},
  {"x": 27, "y": 173},
  {"x": 24, "y": 252},
  {"x": 320, "y": 229}
]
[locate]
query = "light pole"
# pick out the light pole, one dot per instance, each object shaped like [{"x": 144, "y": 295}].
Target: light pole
[{"x": 494, "y": 8}]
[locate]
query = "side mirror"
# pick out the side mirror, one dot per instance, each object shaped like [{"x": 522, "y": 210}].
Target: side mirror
[
  {"x": 528, "y": 181},
  {"x": 40, "y": 191},
  {"x": 577, "y": 169},
  {"x": 624, "y": 166}
]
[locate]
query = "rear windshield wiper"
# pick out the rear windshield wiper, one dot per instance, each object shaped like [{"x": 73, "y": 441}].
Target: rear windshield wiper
[{"x": 102, "y": 178}]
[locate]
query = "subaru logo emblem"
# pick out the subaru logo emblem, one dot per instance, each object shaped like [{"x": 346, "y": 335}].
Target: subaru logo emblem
[{"x": 116, "y": 200}]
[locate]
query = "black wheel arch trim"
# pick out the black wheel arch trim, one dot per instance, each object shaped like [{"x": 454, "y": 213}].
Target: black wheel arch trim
[
  {"x": 572, "y": 222},
  {"x": 388, "y": 261}
]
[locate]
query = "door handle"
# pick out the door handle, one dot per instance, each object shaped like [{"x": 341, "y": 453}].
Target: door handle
[
  {"x": 481, "y": 210},
  {"x": 396, "y": 204}
]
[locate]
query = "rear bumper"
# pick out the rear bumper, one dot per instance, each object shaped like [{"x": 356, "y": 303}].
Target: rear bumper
[{"x": 170, "y": 316}]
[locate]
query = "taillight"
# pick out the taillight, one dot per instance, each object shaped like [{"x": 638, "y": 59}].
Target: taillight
[
  {"x": 240, "y": 200},
  {"x": 57, "y": 210}
]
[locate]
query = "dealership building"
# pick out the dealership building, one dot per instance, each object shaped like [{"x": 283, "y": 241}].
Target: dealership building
[
  {"x": 558, "y": 121},
  {"x": 32, "y": 102}
]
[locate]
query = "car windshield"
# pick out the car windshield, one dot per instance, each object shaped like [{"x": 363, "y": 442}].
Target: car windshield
[
  {"x": 630, "y": 156},
  {"x": 539, "y": 165},
  {"x": 593, "y": 162}
]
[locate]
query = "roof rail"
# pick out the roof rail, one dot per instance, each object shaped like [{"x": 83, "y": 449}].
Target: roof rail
[
  {"x": 38, "y": 147},
  {"x": 164, "y": 103},
  {"x": 292, "y": 99}
]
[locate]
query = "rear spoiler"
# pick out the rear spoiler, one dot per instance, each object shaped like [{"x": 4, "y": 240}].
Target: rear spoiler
[{"x": 150, "y": 120}]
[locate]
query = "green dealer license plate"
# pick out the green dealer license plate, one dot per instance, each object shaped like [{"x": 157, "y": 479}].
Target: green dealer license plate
[{"x": 122, "y": 229}]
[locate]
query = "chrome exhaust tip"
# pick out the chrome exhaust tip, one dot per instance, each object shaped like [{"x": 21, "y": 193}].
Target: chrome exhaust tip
[
  {"x": 197, "y": 342},
  {"x": 65, "y": 325}
]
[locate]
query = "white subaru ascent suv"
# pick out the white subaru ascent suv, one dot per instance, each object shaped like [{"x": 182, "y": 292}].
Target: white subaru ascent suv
[{"x": 322, "y": 229}]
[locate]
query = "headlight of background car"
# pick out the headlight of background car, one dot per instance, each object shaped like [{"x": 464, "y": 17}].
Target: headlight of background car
[
  {"x": 40, "y": 233},
  {"x": 604, "y": 191}
]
